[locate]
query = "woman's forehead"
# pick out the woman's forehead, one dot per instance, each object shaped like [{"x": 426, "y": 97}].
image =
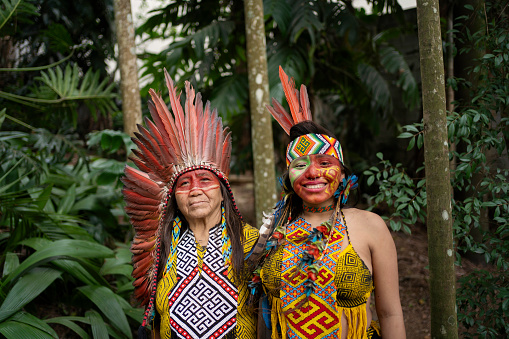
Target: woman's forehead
[
  {"x": 198, "y": 173},
  {"x": 317, "y": 157}
]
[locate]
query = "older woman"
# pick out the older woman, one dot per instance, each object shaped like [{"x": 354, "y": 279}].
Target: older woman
[
  {"x": 190, "y": 242},
  {"x": 320, "y": 261}
]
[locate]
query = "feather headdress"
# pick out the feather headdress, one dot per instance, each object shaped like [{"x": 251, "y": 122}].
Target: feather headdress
[
  {"x": 298, "y": 102},
  {"x": 173, "y": 143}
]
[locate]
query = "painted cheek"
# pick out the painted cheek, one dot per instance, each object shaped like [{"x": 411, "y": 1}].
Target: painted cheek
[
  {"x": 332, "y": 175},
  {"x": 296, "y": 173}
]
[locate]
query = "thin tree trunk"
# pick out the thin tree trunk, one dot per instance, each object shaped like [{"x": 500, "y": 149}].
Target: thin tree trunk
[
  {"x": 438, "y": 186},
  {"x": 261, "y": 126},
  {"x": 131, "y": 101},
  {"x": 450, "y": 72}
]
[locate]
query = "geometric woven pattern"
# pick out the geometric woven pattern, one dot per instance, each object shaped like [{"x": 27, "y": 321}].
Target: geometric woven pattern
[
  {"x": 353, "y": 279},
  {"x": 203, "y": 302},
  {"x": 313, "y": 144},
  {"x": 344, "y": 285},
  {"x": 318, "y": 318},
  {"x": 202, "y": 305}
]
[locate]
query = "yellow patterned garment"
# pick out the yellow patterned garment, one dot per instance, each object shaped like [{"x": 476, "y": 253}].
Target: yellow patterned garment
[
  {"x": 204, "y": 302},
  {"x": 344, "y": 283}
]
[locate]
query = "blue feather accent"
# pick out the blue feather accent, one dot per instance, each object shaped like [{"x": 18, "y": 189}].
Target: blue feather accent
[{"x": 266, "y": 311}]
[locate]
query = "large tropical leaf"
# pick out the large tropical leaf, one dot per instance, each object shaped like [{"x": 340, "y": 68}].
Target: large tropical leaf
[
  {"x": 10, "y": 263},
  {"x": 60, "y": 86},
  {"x": 61, "y": 249},
  {"x": 99, "y": 327},
  {"x": 106, "y": 300},
  {"x": 70, "y": 322},
  {"x": 83, "y": 271},
  {"x": 24, "y": 325},
  {"x": 121, "y": 264},
  {"x": 376, "y": 85},
  {"x": 395, "y": 63},
  {"x": 26, "y": 289}
]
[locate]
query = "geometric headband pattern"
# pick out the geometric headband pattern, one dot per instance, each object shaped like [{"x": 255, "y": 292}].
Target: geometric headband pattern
[{"x": 313, "y": 144}]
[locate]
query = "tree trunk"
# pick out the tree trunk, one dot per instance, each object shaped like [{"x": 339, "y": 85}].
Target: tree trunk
[
  {"x": 261, "y": 125},
  {"x": 131, "y": 101},
  {"x": 438, "y": 186}
]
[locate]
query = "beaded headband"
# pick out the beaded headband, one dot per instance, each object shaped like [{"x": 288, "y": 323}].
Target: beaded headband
[{"x": 313, "y": 144}]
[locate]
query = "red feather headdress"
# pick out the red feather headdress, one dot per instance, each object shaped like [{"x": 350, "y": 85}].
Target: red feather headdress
[
  {"x": 298, "y": 102},
  {"x": 173, "y": 143}
]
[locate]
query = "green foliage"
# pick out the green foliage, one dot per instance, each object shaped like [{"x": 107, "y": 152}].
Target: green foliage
[
  {"x": 405, "y": 196},
  {"x": 65, "y": 89},
  {"x": 479, "y": 130},
  {"x": 56, "y": 216},
  {"x": 63, "y": 248},
  {"x": 331, "y": 47},
  {"x": 483, "y": 300},
  {"x": 18, "y": 10}
]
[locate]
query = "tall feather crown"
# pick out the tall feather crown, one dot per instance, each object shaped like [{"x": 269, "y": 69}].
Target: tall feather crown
[
  {"x": 173, "y": 143},
  {"x": 300, "y": 111},
  {"x": 298, "y": 102}
]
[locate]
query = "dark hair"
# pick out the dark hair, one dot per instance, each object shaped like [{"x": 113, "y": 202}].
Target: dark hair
[
  {"x": 297, "y": 130},
  {"x": 234, "y": 228},
  {"x": 307, "y": 127}
]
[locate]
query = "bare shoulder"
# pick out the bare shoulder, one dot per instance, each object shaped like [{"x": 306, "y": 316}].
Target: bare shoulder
[{"x": 370, "y": 224}]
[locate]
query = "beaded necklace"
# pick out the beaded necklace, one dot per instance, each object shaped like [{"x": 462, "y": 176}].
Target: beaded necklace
[
  {"x": 319, "y": 239},
  {"x": 317, "y": 209}
]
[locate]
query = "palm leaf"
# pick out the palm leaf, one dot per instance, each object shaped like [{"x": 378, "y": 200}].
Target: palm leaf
[
  {"x": 26, "y": 289},
  {"x": 121, "y": 264},
  {"x": 59, "y": 87},
  {"x": 24, "y": 325},
  {"x": 376, "y": 85},
  {"x": 99, "y": 328},
  {"x": 305, "y": 18},
  {"x": 83, "y": 271},
  {"x": 7, "y": 9},
  {"x": 107, "y": 302},
  {"x": 66, "y": 248},
  {"x": 281, "y": 11},
  {"x": 2, "y": 116},
  {"x": 69, "y": 322},
  {"x": 395, "y": 63},
  {"x": 10, "y": 264}
]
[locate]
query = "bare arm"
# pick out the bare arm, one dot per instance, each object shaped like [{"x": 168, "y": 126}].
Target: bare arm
[{"x": 385, "y": 275}]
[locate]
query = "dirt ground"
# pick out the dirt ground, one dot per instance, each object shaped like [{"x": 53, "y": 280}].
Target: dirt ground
[{"x": 412, "y": 261}]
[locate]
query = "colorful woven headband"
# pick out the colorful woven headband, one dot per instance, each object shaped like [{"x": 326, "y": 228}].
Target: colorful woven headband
[{"x": 313, "y": 144}]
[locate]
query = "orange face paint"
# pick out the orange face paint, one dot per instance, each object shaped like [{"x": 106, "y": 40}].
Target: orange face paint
[
  {"x": 199, "y": 179},
  {"x": 199, "y": 197},
  {"x": 315, "y": 178}
]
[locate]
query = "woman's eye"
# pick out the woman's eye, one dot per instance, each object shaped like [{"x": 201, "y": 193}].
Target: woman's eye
[{"x": 325, "y": 163}]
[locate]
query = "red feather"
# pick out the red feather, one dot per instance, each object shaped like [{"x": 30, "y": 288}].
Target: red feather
[{"x": 291, "y": 96}]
